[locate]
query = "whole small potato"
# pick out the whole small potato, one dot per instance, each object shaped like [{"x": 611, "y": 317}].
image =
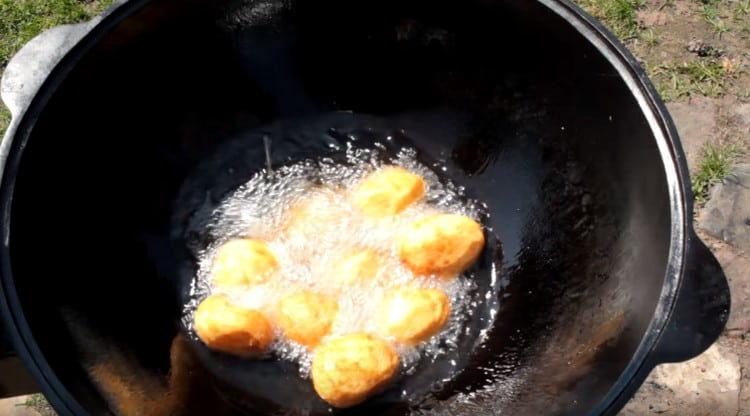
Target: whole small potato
[
  {"x": 411, "y": 316},
  {"x": 356, "y": 267},
  {"x": 313, "y": 213},
  {"x": 349, "y": 369},
  {"x": 242, "y": 262},
  {"x": 388, "y": 191},
  {"x": 440, "y": 244},
  {"x": 306, "y": 317},
  {"x": 226, "y": 327}
]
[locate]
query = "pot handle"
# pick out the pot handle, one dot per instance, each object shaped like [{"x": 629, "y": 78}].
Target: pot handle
[
  {"x": 701, "y": 310},
  {"x": 29, "y": 67}
]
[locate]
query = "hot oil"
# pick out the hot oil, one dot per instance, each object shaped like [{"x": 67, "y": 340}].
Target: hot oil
[{"x": 303, "y": 211}]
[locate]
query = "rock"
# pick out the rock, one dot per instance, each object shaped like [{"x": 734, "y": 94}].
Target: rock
[
  {"x": 16, "y": 406},
  {"x": 737, "y": 270},
  {"x": 695, "y": 45},
  {"x": 696, "y": 123},
  {"x": 744, "y": 347},
  {"x": 706, "y": 385},
  {"x": 741, "y": 115},
  {"x": 703, "y": 49},
  {"x": 726, "y": 215}
]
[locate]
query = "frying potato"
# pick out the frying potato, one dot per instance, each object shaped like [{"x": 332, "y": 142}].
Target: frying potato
[
  {"x": 312, "y": 214},
  {"x": 441, "y": 244},
  {"x": 388, "y": 191},
  {"x": 349, "y": 369},
  {"x": 242, "y": 262},
  {"x": 229, "y": 328},
  {"x": 411, "y": 316},
  {"x": 306, "y": 317},
  {"x": 358, "y": 266}
]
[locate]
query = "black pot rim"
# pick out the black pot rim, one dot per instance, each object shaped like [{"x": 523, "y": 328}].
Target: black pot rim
[
  {"x": 678, "y": 186},
  {"x": 651, "y": 105}
]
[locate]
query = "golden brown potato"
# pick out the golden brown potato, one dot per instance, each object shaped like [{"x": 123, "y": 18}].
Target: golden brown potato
[
  {"x": 306, "y": 317},
  {"x": 388, "y": 191},
  {"x": 349, "y": 369},
  {"x": 312, "y": 214},
  {"x": 442, "y": 244},
  {"x": 356, "y": 267},
  {"x": 411, "y": 316},
  {"x": 242, "y": 262},
  {"x": 229, "y": 328}
]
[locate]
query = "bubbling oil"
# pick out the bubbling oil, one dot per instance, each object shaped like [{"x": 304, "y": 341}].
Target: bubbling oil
[{"x": 265, "y": 208}]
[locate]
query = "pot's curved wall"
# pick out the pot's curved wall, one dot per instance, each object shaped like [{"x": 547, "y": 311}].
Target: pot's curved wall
[{"x": 539, "y": 124}]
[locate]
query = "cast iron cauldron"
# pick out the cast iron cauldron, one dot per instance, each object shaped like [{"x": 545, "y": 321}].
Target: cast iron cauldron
[{"x": 531, "y": 105}]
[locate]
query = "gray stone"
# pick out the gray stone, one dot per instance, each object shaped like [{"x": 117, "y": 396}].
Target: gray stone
[
  {"x": 706, "y": 385},
  {"x": 15, "y": 406},
  {"x": 741, "y": 113},
  {"x": 703, "y": 49},
  {"x": 726, "y": 215},
  {"x": 696, "y": 124},
  {"x": 737, "y": 270}
]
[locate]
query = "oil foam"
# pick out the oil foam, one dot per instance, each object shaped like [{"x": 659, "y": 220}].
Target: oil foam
[{"x": 264, "y": 208}]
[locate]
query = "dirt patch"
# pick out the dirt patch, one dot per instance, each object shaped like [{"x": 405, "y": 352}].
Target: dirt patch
[{"x": 691, "y": 49}]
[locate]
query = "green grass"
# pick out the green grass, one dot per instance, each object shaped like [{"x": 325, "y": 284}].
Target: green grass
[
  {"x": 34, "y": 400},
  {"x": 649, "y": 38},
  {"x": 4, "y": 119},
  {"x": 619, "y": 15},
  {"x": 40, "y": 404},
  {"x": 701, "y": 77},
  {"x": 741, "y": 9},
  {"x": 715, "y": 165},
  {"x": 21, "y": 20},
  {"x": 712, "y": 15},
  {"x": 741, "y": 16}
]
